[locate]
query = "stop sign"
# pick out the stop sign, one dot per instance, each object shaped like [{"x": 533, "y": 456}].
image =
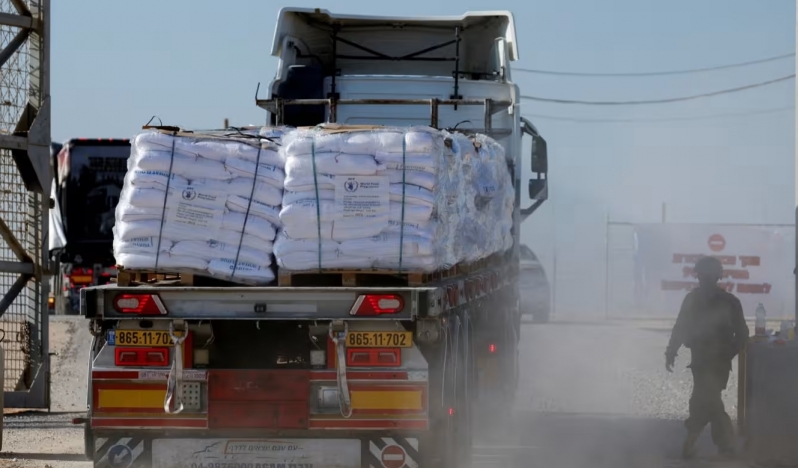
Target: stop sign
[
  {"x": 393, "y": 456},
  {"x": 716, "y": 242}
]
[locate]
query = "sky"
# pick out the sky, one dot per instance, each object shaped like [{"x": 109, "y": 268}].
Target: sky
[{"x": 194, "y": 63}]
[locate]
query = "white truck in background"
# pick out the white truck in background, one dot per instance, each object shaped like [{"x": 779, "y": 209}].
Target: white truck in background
[{"x": 285, "y": 376}]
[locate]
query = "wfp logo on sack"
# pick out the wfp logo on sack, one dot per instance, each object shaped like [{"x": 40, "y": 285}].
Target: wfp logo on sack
[
  {"x": 189, "y": 193},
  {"x": 351, "y": 185}
]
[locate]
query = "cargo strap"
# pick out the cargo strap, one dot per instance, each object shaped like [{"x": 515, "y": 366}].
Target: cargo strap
[
  {"x": 246, "y": 215},
  {"x": 174, "y": 382},
  {"x": 165, "y": 198},
  {"x": 316, "y": 189},
  {"x": 404, "y": 200},
  {"x": 344, "y": 398}
]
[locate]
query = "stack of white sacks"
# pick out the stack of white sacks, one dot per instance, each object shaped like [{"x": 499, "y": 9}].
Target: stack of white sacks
[
  {"x": 392, "y": 198},
  {"x": 201, "y": 203}
]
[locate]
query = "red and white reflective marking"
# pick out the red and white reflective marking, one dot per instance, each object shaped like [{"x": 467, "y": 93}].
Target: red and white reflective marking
[{"x": 390, "y": 452}]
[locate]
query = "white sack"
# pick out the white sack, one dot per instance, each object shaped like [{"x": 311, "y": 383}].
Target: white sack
[
  {"x": 190, "y": 167},
  {"x": 215, "y": 149},
  {"x": 165, "y": 261},
  {"x": 263, "y": 192},
  {"x": 244, "y": 271},
  {"x": 267, "y": 173},
  {"x": 210, "y": 250}
]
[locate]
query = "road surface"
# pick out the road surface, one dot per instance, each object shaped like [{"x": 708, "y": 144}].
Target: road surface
[
  {"x": 591, "y": 396},
  {"x": 596, "y": 395}
]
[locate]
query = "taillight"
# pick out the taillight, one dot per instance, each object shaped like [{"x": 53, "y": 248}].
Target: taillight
[
  {"x": 491, "y": 348},
  {"x": 374, "y": 357},
  {"x": 139, "y": 304},
  {"x": 143, "y": 357},
  {"x": 377, "y": 304}
]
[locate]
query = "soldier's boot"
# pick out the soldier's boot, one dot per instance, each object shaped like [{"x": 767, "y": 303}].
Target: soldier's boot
[{"x": 688, "y": 449}]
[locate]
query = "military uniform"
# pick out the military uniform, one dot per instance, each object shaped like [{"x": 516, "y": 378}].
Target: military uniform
[{"x": 712, "y": 325}]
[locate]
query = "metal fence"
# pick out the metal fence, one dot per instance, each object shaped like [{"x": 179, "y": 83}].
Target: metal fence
[{"x": 24, "y": 200}]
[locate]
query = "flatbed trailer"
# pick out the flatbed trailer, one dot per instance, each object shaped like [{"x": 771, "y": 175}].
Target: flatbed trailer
[{"x": 372, "y": 369}]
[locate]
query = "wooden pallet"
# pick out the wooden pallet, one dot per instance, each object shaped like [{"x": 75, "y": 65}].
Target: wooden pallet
[
  {"x": 141, "y": 277},
  {"x": 374, "y": 277}
]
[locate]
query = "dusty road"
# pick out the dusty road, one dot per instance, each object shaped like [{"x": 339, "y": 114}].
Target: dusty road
[
  {"x": 598, "y": 396},
  {"x": 39, "y": 439},
  {"x": 591, "y": 396}
]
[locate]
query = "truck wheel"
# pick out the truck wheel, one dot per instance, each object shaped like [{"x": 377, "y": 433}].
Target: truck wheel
[
  {"x": 461, "y": 435},
  {"x": 88, "y": 442}
]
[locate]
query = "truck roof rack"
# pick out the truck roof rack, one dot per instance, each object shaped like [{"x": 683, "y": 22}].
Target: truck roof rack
[{"x": 276, "y": 106}]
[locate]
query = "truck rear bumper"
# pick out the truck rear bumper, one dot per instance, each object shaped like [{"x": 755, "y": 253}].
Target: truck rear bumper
[{"x": 116, "y": 449}]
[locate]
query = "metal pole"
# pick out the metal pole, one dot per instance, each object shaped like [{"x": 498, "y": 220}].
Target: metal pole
[{"x": 607, "y": 268}]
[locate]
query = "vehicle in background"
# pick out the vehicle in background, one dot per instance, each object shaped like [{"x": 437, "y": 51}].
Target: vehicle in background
[
  {"x": 88, "y": 175},
  {"x": 534, "y": 286}
]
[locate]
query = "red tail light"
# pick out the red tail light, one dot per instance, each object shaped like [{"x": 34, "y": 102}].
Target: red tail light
[
  {"x": 377, "y": 304},
  {"x": 141, "y": 357},
  {"x": 492, "y": 348},
  {"x": 374, "y": 357},
  {"x": 139, "y": 304}
]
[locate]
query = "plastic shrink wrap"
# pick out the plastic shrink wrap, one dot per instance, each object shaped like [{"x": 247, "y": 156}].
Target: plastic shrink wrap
[
  {"x": 204, "y": 203},
  {"x": 407, "y": 199}
]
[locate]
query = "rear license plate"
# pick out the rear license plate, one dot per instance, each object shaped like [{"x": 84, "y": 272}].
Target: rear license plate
[
  {"x": 380, "y": 339},
  {"x": 81, "y": 279},
  {"x": 267, "y": 453},
  {"x": 140, "y": 338}
]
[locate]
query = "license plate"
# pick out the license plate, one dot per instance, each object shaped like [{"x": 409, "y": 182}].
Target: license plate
[
  {"x": 391, "y": 339},
  {"x": 267, "y": 453},
  {"x": 140, "y": 338}
]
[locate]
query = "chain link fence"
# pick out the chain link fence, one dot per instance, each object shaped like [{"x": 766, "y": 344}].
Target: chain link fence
[{"x": 21, "y": 212}]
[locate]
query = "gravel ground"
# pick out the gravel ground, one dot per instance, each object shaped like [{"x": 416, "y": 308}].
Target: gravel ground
[{"x": 38, "y": 439}]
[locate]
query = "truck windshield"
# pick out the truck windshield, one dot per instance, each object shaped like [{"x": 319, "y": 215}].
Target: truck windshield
[{"x": 95, "y": 179}]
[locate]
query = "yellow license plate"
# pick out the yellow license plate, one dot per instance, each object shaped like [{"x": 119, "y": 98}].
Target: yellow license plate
[
  {"x": 81, "y": 279},
  {"x": 143, "y": 338},
  {"x": 391, "y": 339}
]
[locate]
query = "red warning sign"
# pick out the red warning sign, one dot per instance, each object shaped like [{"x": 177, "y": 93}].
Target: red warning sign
[
  {"x": 393, "y": 456},
  {"x": 716, "y": 242}
]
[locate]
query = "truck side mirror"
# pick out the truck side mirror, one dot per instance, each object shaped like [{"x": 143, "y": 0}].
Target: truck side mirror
[
  {"x": 540, "y": 155},
  {"x": 539, "y": 184}
]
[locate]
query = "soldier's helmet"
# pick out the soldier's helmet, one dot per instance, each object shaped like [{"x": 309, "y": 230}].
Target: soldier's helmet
[{"x": 709, "y": 267}]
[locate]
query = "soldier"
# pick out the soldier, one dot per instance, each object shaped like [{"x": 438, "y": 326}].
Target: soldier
[{"x": 711, "y": 324}]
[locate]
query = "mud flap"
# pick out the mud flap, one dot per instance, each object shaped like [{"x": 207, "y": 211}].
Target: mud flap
[
  {"x": 390, "y": 452},
  {"x": 122, "y": 452}
]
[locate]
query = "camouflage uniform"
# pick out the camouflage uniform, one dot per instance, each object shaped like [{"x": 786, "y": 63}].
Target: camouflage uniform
[{"x": 711, "y": 324}]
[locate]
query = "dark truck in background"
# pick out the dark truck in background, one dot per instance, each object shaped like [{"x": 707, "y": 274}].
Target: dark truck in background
[{"x": 88, "y": 175}]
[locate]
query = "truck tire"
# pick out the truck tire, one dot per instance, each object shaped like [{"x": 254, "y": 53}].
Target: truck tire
[
  {"x": 88, "y": 442},
  {"x": 460, "y": 436},
  {"x": 448, "y": 443}
]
